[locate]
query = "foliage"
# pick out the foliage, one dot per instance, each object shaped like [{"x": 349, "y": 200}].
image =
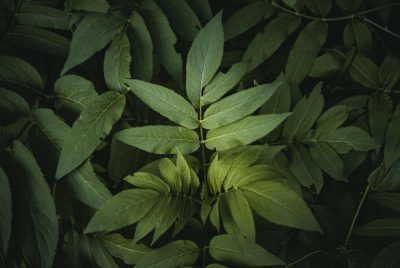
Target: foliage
[{"x": 177, "y": 133}]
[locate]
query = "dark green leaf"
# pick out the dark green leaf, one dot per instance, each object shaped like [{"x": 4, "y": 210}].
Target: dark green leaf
[
  {"x": 12, "y": 106},
  {"x": 388, "y": 257},
  {"x": 381, "y": 227},
  {"x": 349, "y": 4},
  {"x": 201, "y": 7},
  {"x": 319, "y": 7},
  {"x": 328, "y": 160},
  {"x": 392, "y": 140},
  {"x": 88, "y": 5},
  {"x": 380, "y": 108},
  {"x": 5, "y": 212},
  {"x": 325, "y": 66},
  {"x": 357, "y": 34},
  {"x": 42, "y": 16},
  {"x": 364, "y": 71},
  {"x": 391, "y": 200}
]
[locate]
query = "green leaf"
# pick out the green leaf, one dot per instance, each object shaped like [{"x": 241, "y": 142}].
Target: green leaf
[
  {"x": 99, "y": 27},
  {"x": 266, "y": 43},
  {"x": 148, "y": 181},
  {"x": 166, "y": 102},
  {"x": 380, "y": 108},
  {"x": 36, "y": 231},
  {"x": 179, "y": 253},
  {"x": 349, "y": 5},
  {"x": 305, "y": 113},
  {"x": 243, "y": 132},
  {"x": 164, "y": 40},
  {"x": 364, "y": 71},
  {"x": 388, "y": 257},
  {"x": 279, "y": 204},
  {"x": 204, "y": 58},
  {"x": 15, "y": 72},
  {"x": 392, "y": 141},
  {"x": 88, "y": 5},
  {"x": 161, "y": 139},
  {"x": 381, "y": 227},
  {"x": 73, "y": 93},
  {"x": 328, "y": 160},
  {"x": 389, "y": 72},
  {"x": 325, "y": 66},
  {"x": 305, "y": 50},
  {"x": 244, "y": 19},
  {"x": 181, "y": 17},
  {"x": 202, "y": 8},
  {"x": 330, "y": 120},
  {"x": 42, "y": 16},
  {"x": 123, "y": 248},
  {"x": 38, "y": 39},
  {"x": 319, "y": 7},
  {"x": 94, "y": 123},
  {"x": 123, "y": 209},
  {"x": 241, "y": 252},
  {"x": 117, "y": 61},
  {"x": 357, "y": 34},
  {"x": 391, "y": 200},
  {"x": 5, "y": 212},
  {"x": 237, "y": 106},
  {"x": 142, "y": 46},
  {"x": 170, "y": 174},
  {"x": 390, "y": 182},
  {"x": 241, "y": 213},
  {"x": 12, "y": 106},
  {"x": 222, "y": 83}
]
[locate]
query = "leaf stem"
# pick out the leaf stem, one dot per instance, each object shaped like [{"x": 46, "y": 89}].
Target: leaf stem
[
  {"x": 304, "y": 257},
  {"x": 348, "y": 17},
  {"x": 203, "y": 152},
  {"x": 356, "y": 216}
]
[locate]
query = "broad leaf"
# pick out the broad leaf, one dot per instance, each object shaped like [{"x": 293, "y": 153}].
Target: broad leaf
[
  {"x": 364, "y": 71},
  {"x": 325, "y": 66},
  {"x": 379, "y": 112},
  {"x": 330, "y": 120},
  {"x": 204, "y": 58},
  {"x": 357, "y": 34},
  {"x": 88, "y": 5},
  {"x": 166, "y": 102},
  {"x": 42, "y": 16},
  {"x": 391, "y": 200},
  {"x": 5, "y": 212},
  {"x": 388, "y": 257},
  {"x": 161, "y": 139},
  {"x": 94, "y": 123},
  {"x": 243, "y": 132},
  {"x": 382, "y": 227},
  {"x": 241, "y": 213},
  {"x": 12, "y": 106},
  {"x": 328, "y": 160},
  {"x": 321, "y": 7}
]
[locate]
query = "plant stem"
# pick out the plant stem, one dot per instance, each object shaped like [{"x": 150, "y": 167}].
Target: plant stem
[
  {"x": 304, "y": 258},
  {"x": 356, "y": 216},
  {"x": 203, "y": 152}
]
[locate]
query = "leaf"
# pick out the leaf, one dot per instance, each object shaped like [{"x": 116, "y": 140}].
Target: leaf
[
  {"x": 5, "y": 213},
  {"x": 266, "y": 43},
  {"x": 242, "y": 252},
  {"x": 389, "y": 72},
  {"x": 325, "y": 66},
  {"x": 36, "y": 231},
  {"x": 99, "y": 27},
  {"x": 201, "y": 7},
  {"x": 94, "y": 123},
  {"x": 380, "y": 108},
  {"x": 305, "y": 113},
  {"x": 388, "y": 257},
  {"x": 204, "y": 58},
  {"x": 166, "y": 102},
  {"x": 123, "y": 248},
  {"x": 160, "y": 139},
  {"x": 277, "y": 203},
  {"x": 142, "y": 48},
  {"x": 357, "y": 34},
  {"x": 392, "y": 141},
  {"x": 391, "y": 200},
  {"x": 42, "y": 16},
  {"x": 241, "y": 213},
  {"x": 328, "y": 160},
  {"x": 164, "y": 40},
  {"x": 237, "y": 106},
  {"x": 390, "y": 181},
  {"x": 222, "y": 83},
  {"x": 73, "y": 93},
  {"x": 348, "y": 5},
  {"x": 305, "y": 50},
  {"x": 243, "y": 132},
  {"x": 123, "y": 209},
  {"x": 12, "y": 106},
  {"x": 181, "y": 17},
  {"x": 38, "y": 39},
  {"x": 331, "y": 119},
  {"x": 88, "y": 5},
  {"x": 244, "y": 19},
  {"x": 15, "y": 72},
  {"x": 117, "y": 62},
  {"x": 148, "y": 181},
  {"x": 364, "y": 71},
  {"x": 319, "y": 7},
  {"x": 381, "y": 227},
  {"x": 179, "y": 253}
]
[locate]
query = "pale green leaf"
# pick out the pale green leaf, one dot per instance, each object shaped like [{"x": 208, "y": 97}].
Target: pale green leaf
[
  {"x": 94, "y": 123},
  {"x": 243, "y": 132},
  {"x": 12, "y": 106},
  {"x": 36, "y": 233},
  {"x": 99, "y": 27},
  {"x": 73, "y": 93},
  {"x": 5, "y": 212},
  {"x": 241, "y": 252},
  {"x": 166, "y": 102},
  {"x": 305, "y": 50},
  {"x": 328, "y": 160},
  {"x": 161, "y": 139},
  {"x": 237, "y": 106},
  {"x": 117, "y": 61},
  {"x": 170, "y": 174},
  {"x": 204, "y": 58},
  {"x": 179, "y": 253},
  {"x": 389, "y": 227},
  {"x": 88, "y": 5},
  {"x": 279, "y": 204},
  {"x": 42, "y": 16},
  {"x": 364, "y": 71},
  {"x": 391, "y": 200},
  {"x": 185, "y": 173},
  {"x": 246, "y": 18},
  {"x": 148, "y": 181}
]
